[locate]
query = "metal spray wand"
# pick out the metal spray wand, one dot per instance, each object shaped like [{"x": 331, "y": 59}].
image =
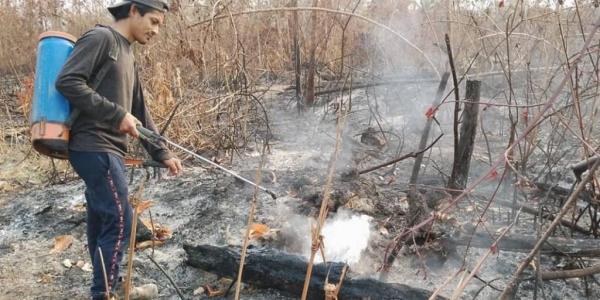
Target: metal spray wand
[{"x": 155, "y": 139}]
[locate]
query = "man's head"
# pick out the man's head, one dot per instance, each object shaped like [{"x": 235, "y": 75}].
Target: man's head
[{"x": 142, "y": 16}]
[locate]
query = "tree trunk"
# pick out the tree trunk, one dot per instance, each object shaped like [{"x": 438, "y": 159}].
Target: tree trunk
[
  {"x": 468, "y": 131},
  {"x": 423, "y": 144},
  {"x": 293, "y": 23},
  {"x": 309, "y": 91}
]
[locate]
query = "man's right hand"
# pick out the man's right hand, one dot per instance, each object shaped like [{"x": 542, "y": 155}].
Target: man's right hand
[{"x": 128, "y": 125}]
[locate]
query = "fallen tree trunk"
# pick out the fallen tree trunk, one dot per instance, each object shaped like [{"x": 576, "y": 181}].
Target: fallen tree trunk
[
  {"x": 576, "y": 273},
  {"x": 343, "y": 88},
  {"x": 548, "y": 216},
  {"x": 268, "y": 268},
  {"x": 524, "y": 243},
  {"x": 542, "y": 240},
  {"x": 557, "y": 193},
  {"x": 582, "y": 166}
]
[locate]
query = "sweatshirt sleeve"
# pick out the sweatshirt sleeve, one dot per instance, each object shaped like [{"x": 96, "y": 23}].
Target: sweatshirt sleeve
[
  {"x": 89, "y": 53},
  {"x": 140, "y": 111}
]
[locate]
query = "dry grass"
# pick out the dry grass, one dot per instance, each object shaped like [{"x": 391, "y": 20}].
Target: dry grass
[
  {"x": 213, "y": 70},
  {"x": 21, "y": 167}
]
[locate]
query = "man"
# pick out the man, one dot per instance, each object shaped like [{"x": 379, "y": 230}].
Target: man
[{"x": 111, "y": 105}]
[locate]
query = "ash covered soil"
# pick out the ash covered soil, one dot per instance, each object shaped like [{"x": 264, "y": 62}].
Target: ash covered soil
[{"x": 205, "y": 206}]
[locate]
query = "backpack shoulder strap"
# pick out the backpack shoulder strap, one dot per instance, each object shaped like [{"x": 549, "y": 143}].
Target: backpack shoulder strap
[{"x": 113, "y": 54}]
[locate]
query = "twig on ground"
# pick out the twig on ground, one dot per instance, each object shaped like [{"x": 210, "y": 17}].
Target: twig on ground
[{"x": 168, "y": 277}]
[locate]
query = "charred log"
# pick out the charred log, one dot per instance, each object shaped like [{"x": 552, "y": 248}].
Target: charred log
[{"x": 269, "y": 268}]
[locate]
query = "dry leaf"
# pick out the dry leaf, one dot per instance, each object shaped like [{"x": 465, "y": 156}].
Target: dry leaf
[
  {"x": 160, "y": 232},
  {"x": 213, "y": 292},
  {"x": 163, "y": 233},
  {"x": 80, "y": 207},
  {"x": 148, "y": 244},
  {"x": 46, "y": 278},
  {"x": 258, "y": 230},
  {"x": 143, "y": 205},
  {"x": 61, "y": 243}
]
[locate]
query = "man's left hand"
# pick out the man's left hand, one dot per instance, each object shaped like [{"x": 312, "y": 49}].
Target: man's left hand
[{"x": 174, "y": 165}]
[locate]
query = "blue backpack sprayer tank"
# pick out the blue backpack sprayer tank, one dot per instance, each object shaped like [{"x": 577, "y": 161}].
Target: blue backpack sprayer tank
[{"x": 50, "y": 110}]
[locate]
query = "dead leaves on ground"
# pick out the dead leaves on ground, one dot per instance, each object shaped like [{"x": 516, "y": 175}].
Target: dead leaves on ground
[
  {"x": 45, "y": 278},
  {"x": 144, "y": 205},
  {"x": 258, "y": 230},
  {"x": 80, "y": 207},
  {"x": 161, "y": 233},
  {"x": 62, "y": 243},
  {"x": 262, "y": 232}
]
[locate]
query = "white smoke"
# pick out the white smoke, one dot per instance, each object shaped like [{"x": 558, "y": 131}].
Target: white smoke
[{"x": 345, "y": 237}]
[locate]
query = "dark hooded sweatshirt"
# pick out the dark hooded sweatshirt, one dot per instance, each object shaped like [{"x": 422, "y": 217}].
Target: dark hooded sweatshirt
[{"x": 120, "y": 91}]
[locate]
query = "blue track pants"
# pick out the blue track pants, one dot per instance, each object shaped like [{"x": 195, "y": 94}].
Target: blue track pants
[{"x": 109, "y": 213}]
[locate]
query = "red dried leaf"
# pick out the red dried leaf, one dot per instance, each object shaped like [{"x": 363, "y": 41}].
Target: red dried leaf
[
  {"x": 493, "y": 175},
  {"x": 525, "y": 116},
  {"x": 431, "y": 111}
]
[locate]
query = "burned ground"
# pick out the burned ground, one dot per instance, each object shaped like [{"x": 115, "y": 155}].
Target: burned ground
[{"x": 207, "y": 207}]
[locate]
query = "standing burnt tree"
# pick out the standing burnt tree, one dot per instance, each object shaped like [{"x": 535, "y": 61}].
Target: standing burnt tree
[{"x": 466, "y": 140}]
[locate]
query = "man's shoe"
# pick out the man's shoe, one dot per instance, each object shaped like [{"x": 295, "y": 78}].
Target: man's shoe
[
  {"x": 103, "y": 297},
  {"x": 144, "y": 292}
]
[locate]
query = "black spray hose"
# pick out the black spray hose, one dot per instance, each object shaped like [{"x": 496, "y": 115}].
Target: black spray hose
[{"x": 156, "y": 139}]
